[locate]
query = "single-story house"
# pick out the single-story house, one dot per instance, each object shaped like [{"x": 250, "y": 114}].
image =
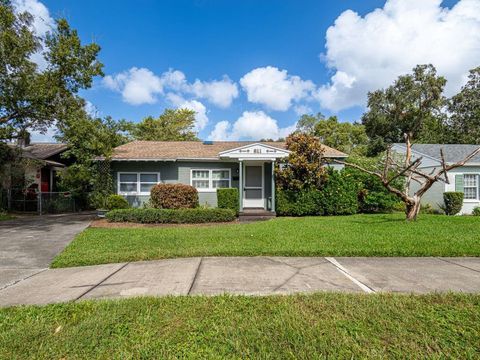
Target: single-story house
[
  {"x": 463, "y": 179},
  {"x": 207, "y": 166},
  {"x": 47, "y": 161}
]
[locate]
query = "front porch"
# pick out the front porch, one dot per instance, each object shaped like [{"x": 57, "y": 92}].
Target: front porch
[{"x": 256, "y": 180}]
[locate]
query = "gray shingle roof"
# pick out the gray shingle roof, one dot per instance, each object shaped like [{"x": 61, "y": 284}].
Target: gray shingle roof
[{"x": 453, "y": 152}]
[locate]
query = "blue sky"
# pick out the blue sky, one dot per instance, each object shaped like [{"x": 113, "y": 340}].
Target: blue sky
[{"x": 299, "y": 66}]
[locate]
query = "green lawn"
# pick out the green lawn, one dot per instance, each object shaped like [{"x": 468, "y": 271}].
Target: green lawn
[
  {"x": 359, "y": 235},
  {"x": 278, "y": 327}
]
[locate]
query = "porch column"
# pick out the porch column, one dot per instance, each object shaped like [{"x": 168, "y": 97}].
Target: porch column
[
  {"x": 240, "y": 184},
  {"x": 273, "y": 186}
]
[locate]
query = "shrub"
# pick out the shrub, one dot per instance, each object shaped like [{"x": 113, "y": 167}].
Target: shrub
[
  {"x": 113, "y": 202},
  {"x": 453, "y": 202},
  {"x": 173, "y": 196},
  {"x": 339, "y": 194},
  {"x": 171, "y": 216},
  {"x": 298, "y": 203},
  {"x": 372, "y": 195},
  {"x": 476, "y": 211},
  {"x": 228, "y": 199},
  {"x": 429, "y": 209}
]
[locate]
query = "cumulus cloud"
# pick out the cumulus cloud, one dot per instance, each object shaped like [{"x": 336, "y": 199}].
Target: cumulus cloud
[
  {"x": 42, "y": 23},
  {"x": 252, "y": 125},
  {"x": 274, "y": 88},
  {"x": 219, "y": 92},
  {"x": 201, "y": 118},
  {"x": 137, "y": 85},
  {"x": 142, "y": 86},
  {"x": 370, "y": 52}
]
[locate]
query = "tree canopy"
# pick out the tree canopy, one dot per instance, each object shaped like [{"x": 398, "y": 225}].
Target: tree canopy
[
  {"x": 172, "y": 125},
  {"x": 464, "y": 109},
  {"x": 32, "y": 98},
  {"x": 411, "y": 107},
  {"x": 344, "y": 136}
]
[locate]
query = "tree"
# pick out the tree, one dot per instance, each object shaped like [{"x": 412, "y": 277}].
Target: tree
[
  {"x": 390, "y": 168},
  {"x": 464, "y": 121},
  {"x": 344, "y": 136},
  {"x": 409, "y": 110},
  {"x": 303, "y": 168},
  {"x": 33, "y": 98},
  {"x": 89, "y": 139},
  {"x": 172, "y": 125}
]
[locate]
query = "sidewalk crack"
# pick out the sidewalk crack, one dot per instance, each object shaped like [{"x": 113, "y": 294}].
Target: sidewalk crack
[
  {"x": 195, "y": 276},
  {"x": 454, "y": 263},
  {"x": 101, "y": 282}
]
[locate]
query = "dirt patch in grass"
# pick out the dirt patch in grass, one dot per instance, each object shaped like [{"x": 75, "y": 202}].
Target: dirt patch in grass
[{"x": 103, "y": 223}]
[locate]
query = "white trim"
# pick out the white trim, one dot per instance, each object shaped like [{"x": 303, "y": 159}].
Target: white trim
[
  {"x": 250, "y": 145},
  {"x": 246, "y": 203},
  {"x": 210, "y": 179},
  {"x": 243, "y": 152},
  {"x": 138, "y": 182}
]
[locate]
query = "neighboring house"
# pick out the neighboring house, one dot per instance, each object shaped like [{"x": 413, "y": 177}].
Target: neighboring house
[
  {"x": 464, "y": 179},
  {"x": 207, "y": 166},
  {"x": 46, "y": 158}
]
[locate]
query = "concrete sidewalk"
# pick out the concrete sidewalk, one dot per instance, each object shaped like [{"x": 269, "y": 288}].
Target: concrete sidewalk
[{"x": 246, "y": 275}]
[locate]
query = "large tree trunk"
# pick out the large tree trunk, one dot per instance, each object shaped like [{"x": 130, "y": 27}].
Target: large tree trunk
[{"x": 412, "y": 209}]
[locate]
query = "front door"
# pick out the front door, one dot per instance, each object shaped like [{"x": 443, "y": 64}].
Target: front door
[{"x": 253, "y": 194}]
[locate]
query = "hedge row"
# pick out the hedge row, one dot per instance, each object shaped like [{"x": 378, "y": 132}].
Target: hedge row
[
  {"x": 228, "y": 198},
  {"x": 171, "y": 216},
  {"x": 338, "y": 196}
]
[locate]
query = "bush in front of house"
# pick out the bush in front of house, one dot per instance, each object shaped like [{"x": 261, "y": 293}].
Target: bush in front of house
[
  {"x": 476, "y": 211},
  {"x": 228, "y": 198},
  {"x": 113, "y": 202},
  {"x": 339, "y": 194},
  {"x": 173, "y": 196},
  {"x": 298, "y": 203},
  {"x": 171, "y": 216},
  {"x": 453, "y": 202}
]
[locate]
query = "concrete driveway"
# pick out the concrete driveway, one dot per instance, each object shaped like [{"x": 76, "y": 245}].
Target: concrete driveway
[
  {"x": 248, "y": 276},
  {"x": 29, "y": 244}
]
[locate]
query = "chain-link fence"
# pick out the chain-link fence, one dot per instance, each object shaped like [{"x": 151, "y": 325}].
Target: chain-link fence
[{"x": 38, "y": 202}]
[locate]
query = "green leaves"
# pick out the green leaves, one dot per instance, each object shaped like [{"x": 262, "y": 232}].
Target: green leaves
[
  {"x": 172, "y": 125},
  {"x": 33, "y": 98}
]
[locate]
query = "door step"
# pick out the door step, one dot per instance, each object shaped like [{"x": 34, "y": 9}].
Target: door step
[{"x": 255, "y": 215}]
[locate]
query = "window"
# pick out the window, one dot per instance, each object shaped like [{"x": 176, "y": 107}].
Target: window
[
  {"x": 137, "y": 183},
  {"x": 470, "y": 186},
  {"x": 210, "y": 180}
]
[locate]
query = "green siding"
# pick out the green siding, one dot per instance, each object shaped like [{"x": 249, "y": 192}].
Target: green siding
[{"x": 173, "y": 172}]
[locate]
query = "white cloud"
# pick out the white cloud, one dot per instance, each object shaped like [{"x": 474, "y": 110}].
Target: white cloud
[
  {"x": 370, "y": 52},
  {"x": 252, "y": 125},
  {"x": 219, "y": 92},
  {"x": 302, "y": 109},
  {"x": 220, "y": 131},
  {"x": 42, "y": 23},
  {"x": 137, "y": 85},
  {"x": 142, "y": 86},
  {"x": 201, "y": 118},
  {"x": 274, "y": 88}
]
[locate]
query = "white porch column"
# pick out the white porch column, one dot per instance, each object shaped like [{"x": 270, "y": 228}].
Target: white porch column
[
  {"x": 240, "y": 184},
  {"x": 273, "y": 186}
]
